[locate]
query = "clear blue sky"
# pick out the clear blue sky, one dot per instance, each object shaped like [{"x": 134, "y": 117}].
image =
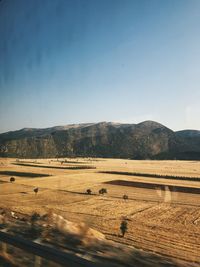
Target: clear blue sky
[{"x": 72, "y": 61}]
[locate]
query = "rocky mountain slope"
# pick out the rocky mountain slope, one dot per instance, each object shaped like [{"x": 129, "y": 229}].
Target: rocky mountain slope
[{"x": 146, "y": 140}]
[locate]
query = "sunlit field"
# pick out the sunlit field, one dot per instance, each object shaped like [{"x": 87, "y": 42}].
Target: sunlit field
[{"x": 163, "y": 217}]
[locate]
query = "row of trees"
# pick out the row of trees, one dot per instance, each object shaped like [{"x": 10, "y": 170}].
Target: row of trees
[
  {"x": 103, "y": 191},
  {"x": 154, "y": 175}
]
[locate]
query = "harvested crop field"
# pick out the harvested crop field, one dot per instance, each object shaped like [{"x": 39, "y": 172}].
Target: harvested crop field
[
  {"x": 157, "y": 187},
  {"x": 163, "y": 215}
]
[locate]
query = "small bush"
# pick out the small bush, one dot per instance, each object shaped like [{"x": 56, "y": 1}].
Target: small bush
[
  {"x": 12, "y": 179},
  {"x": 125, "y": 197},
  {"x": 36, "y": 190},
  {"x": 103, "y": 191}
]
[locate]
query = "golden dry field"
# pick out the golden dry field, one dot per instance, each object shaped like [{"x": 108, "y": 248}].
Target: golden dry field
[{"x": 163, "y": 218}]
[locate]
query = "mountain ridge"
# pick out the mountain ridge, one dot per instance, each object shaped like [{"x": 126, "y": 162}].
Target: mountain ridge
[{"x": 145, "y": 140}]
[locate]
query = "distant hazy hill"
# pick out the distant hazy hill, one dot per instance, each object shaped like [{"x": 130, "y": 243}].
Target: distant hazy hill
[{"x": 146, "y": 140}]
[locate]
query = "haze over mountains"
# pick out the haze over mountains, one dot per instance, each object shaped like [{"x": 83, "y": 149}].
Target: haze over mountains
[{"x": 145, "y": 140}]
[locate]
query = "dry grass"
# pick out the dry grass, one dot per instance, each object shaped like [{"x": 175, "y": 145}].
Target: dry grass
[{"x": 171, "y": 228}]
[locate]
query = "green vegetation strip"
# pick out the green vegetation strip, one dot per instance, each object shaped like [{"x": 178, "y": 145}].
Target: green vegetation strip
[
  {"x": 73, "y": 162},
  {"x": 56, "y": 167},
  {"x": 24, "y": 174},
  {"x": 150, "y": 175},
  {"x": 25, "y": 162}
]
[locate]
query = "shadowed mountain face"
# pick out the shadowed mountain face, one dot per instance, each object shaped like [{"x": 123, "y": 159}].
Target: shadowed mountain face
[{"x": 146, "y": 140}]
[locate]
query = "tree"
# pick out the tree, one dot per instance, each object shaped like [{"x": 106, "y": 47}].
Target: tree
[
  {"x": 100, "y": 192},
  {"x": 12, "y": 179},
  {"x": 35, "y": 229},
  {"x": 36, "y": 190},
  {"x": 89, "y": 191},
  {"x": 123, "y": 227},
  {"x": 125, "y": 197},
  {"x": 103, "y": 191}
]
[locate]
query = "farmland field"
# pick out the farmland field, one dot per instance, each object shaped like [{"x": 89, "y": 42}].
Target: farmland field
[{"x": 163, "y": 215}]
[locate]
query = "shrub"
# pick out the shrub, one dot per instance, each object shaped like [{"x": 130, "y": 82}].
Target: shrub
[
  {"x": 125, "y": 197},
  {"x": 89, "y": 191},
  {"x": 12, "y": 179},
  {"x": 36, "y": 190},
  {"x": 103, "y": 191}
]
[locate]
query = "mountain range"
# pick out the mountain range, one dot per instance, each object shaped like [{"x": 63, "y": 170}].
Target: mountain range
[{"x": 145, "y": 140}]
